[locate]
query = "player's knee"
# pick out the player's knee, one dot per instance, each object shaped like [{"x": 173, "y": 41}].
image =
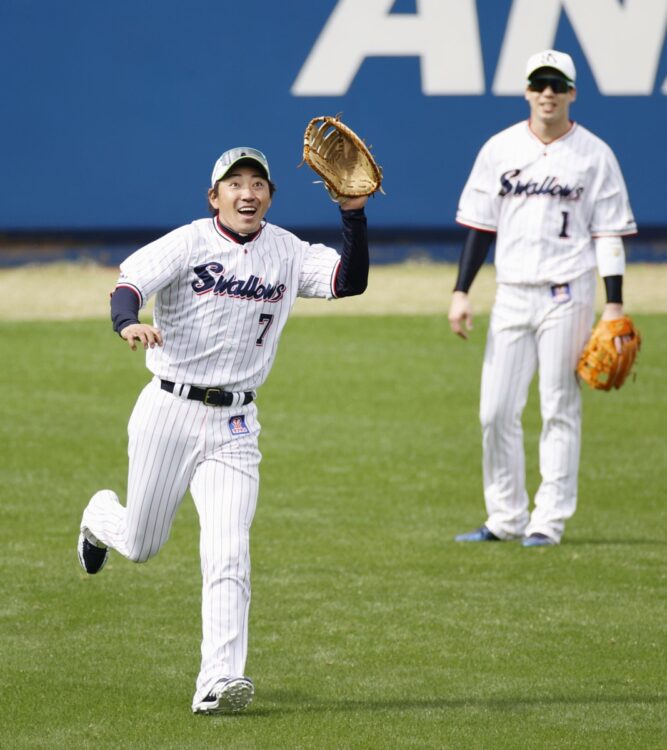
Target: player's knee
[
  {"x": 141, "y": 554},
  {"x": 488, "y": 418},
  {"x": 495, "y": 417},
  {"x": 137, "y": 557},
  {"x": 231, "y": 564}
]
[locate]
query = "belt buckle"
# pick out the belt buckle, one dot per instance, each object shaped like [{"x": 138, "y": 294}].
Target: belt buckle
[{"x": 208, "y": 392}]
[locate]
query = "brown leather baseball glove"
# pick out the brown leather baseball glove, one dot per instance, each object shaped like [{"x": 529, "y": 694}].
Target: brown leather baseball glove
[
  {"x": 343, "y": 161},
  {"x": 601, "y": 365}
]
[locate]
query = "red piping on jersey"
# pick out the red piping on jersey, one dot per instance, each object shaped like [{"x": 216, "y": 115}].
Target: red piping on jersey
[
  {"x": 555, "y": 140},
  {"x": 478, "y": 227},
  {"x": 230, "y": 236},
  {"x": 620, "y": 233},
  {"x": 334, "y": 279}
]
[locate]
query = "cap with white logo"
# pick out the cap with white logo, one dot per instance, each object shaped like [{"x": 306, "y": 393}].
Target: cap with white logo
[
  {"x": 234, "y": 156},
  {"x": 550, "y": 58}
]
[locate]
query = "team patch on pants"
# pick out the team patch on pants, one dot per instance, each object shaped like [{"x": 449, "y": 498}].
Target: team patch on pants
[
  {"x": 237, "y": 425},
  {"x": 560, "y": 293}
]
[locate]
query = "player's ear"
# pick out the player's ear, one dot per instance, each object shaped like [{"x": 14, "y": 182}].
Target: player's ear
[
  {"x": 525, "y": 95},
  {"x": 213, "y": 196},
  {"x": 573, "y": 94}
]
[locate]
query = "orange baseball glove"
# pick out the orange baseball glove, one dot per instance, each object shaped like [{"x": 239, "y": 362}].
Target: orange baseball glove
[{"x": 601, "y": 365}]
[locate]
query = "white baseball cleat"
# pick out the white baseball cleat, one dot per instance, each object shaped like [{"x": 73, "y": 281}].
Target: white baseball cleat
[
  {"x": 91, "y": 556},
  {"x": 227, "y": 697}
]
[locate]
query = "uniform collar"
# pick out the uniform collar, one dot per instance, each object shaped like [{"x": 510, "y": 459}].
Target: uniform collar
[
  {"x": 232, "y": 236},
  {"x": 566, "y": 134}
]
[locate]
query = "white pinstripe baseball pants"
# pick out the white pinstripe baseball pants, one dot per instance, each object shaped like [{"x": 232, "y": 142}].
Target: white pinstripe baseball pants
[
  {"x": 529, "y": 330},
  {"x": 173, "y": 444}
]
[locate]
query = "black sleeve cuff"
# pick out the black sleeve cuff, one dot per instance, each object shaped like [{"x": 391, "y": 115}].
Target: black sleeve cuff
[
  {"x": 124, "y": 308},
  {"x": 614, "y": 289}
]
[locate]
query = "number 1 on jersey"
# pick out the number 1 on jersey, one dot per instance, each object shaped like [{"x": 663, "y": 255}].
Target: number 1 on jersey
[
  {"x": 264, "y": 320},
  {"x": 563, "y": 229}
]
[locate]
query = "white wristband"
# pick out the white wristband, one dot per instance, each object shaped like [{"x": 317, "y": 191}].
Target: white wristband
[{"x": 610, "y": 255}]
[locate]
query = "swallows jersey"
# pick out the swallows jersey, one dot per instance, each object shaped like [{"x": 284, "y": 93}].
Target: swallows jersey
[
  {"x": 547, "y": 202},
  {"x": 220, "y": 305}
]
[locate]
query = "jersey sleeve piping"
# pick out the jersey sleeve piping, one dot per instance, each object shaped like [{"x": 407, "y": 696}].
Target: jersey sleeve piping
[
  {"x": 476, "y": 225},
  {"x": 614, "y": 233},
  {"x": 131, "y": 287},
  {"x": 334, "y": 276}
]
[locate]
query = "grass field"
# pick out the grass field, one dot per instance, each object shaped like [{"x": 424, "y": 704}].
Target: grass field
[{"x": 370, "y": 627}]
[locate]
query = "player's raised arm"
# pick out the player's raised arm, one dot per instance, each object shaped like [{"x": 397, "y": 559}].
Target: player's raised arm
[
  {"x": 350, "y": 175},
  {"x": 352, "y": 273}
]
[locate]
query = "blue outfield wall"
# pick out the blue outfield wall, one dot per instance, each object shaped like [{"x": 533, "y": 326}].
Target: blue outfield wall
[
  {"x": 386, "y": 246},
  {"x": 114, "y": 113}
]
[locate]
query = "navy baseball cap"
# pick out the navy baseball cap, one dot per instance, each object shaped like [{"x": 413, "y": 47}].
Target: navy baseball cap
[{"x": 234, "y": 156}]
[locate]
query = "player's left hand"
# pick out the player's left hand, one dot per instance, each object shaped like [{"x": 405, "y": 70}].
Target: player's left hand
[
  {"x": 352, "y": 204},
  {"x": 614, "y": 311}
]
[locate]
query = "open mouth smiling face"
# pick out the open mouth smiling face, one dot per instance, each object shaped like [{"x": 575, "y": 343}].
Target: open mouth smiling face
[{"x": 242, "y": 199}]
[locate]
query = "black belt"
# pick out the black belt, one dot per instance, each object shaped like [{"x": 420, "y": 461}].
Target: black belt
[{"x": 210, "y": 396}]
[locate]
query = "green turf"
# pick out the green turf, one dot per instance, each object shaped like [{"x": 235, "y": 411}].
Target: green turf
[{"x": 370, "y": 627}]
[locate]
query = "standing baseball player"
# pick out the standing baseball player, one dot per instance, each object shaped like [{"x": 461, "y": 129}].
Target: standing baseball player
[
  {"x": 224, "y": 287},
  {"x": 552, "y": 196}
]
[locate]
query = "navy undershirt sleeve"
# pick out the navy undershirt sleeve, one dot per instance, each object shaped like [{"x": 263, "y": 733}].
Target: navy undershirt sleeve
[
  {"x": 124, "y": 308},
  {"x": 352, "y": 276},
  {"x": 614, "y": 289},
  {"x": 474, "y": 253}
]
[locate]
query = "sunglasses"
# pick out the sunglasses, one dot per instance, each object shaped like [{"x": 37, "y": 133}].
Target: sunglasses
[{"x": 557, "y": 85}]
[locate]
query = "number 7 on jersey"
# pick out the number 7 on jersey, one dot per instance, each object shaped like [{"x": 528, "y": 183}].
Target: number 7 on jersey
[{"x": 264, "y": 320}]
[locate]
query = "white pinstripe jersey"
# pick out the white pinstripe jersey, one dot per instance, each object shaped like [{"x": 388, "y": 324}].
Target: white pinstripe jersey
[
  {"x": 221, "y": 306},
  {"x": 547, "y": 202}
]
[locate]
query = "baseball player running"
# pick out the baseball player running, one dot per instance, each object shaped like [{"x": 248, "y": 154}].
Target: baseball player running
[
  {"x": 552, "y": 196},
  {"x": 224, "y": 287}
]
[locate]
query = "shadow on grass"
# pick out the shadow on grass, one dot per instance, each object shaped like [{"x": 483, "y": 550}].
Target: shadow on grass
[
  {"x": 567, "y": 542},
  {"x": 614, "y": 542},
  {"x": 290, "y": 702}
]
